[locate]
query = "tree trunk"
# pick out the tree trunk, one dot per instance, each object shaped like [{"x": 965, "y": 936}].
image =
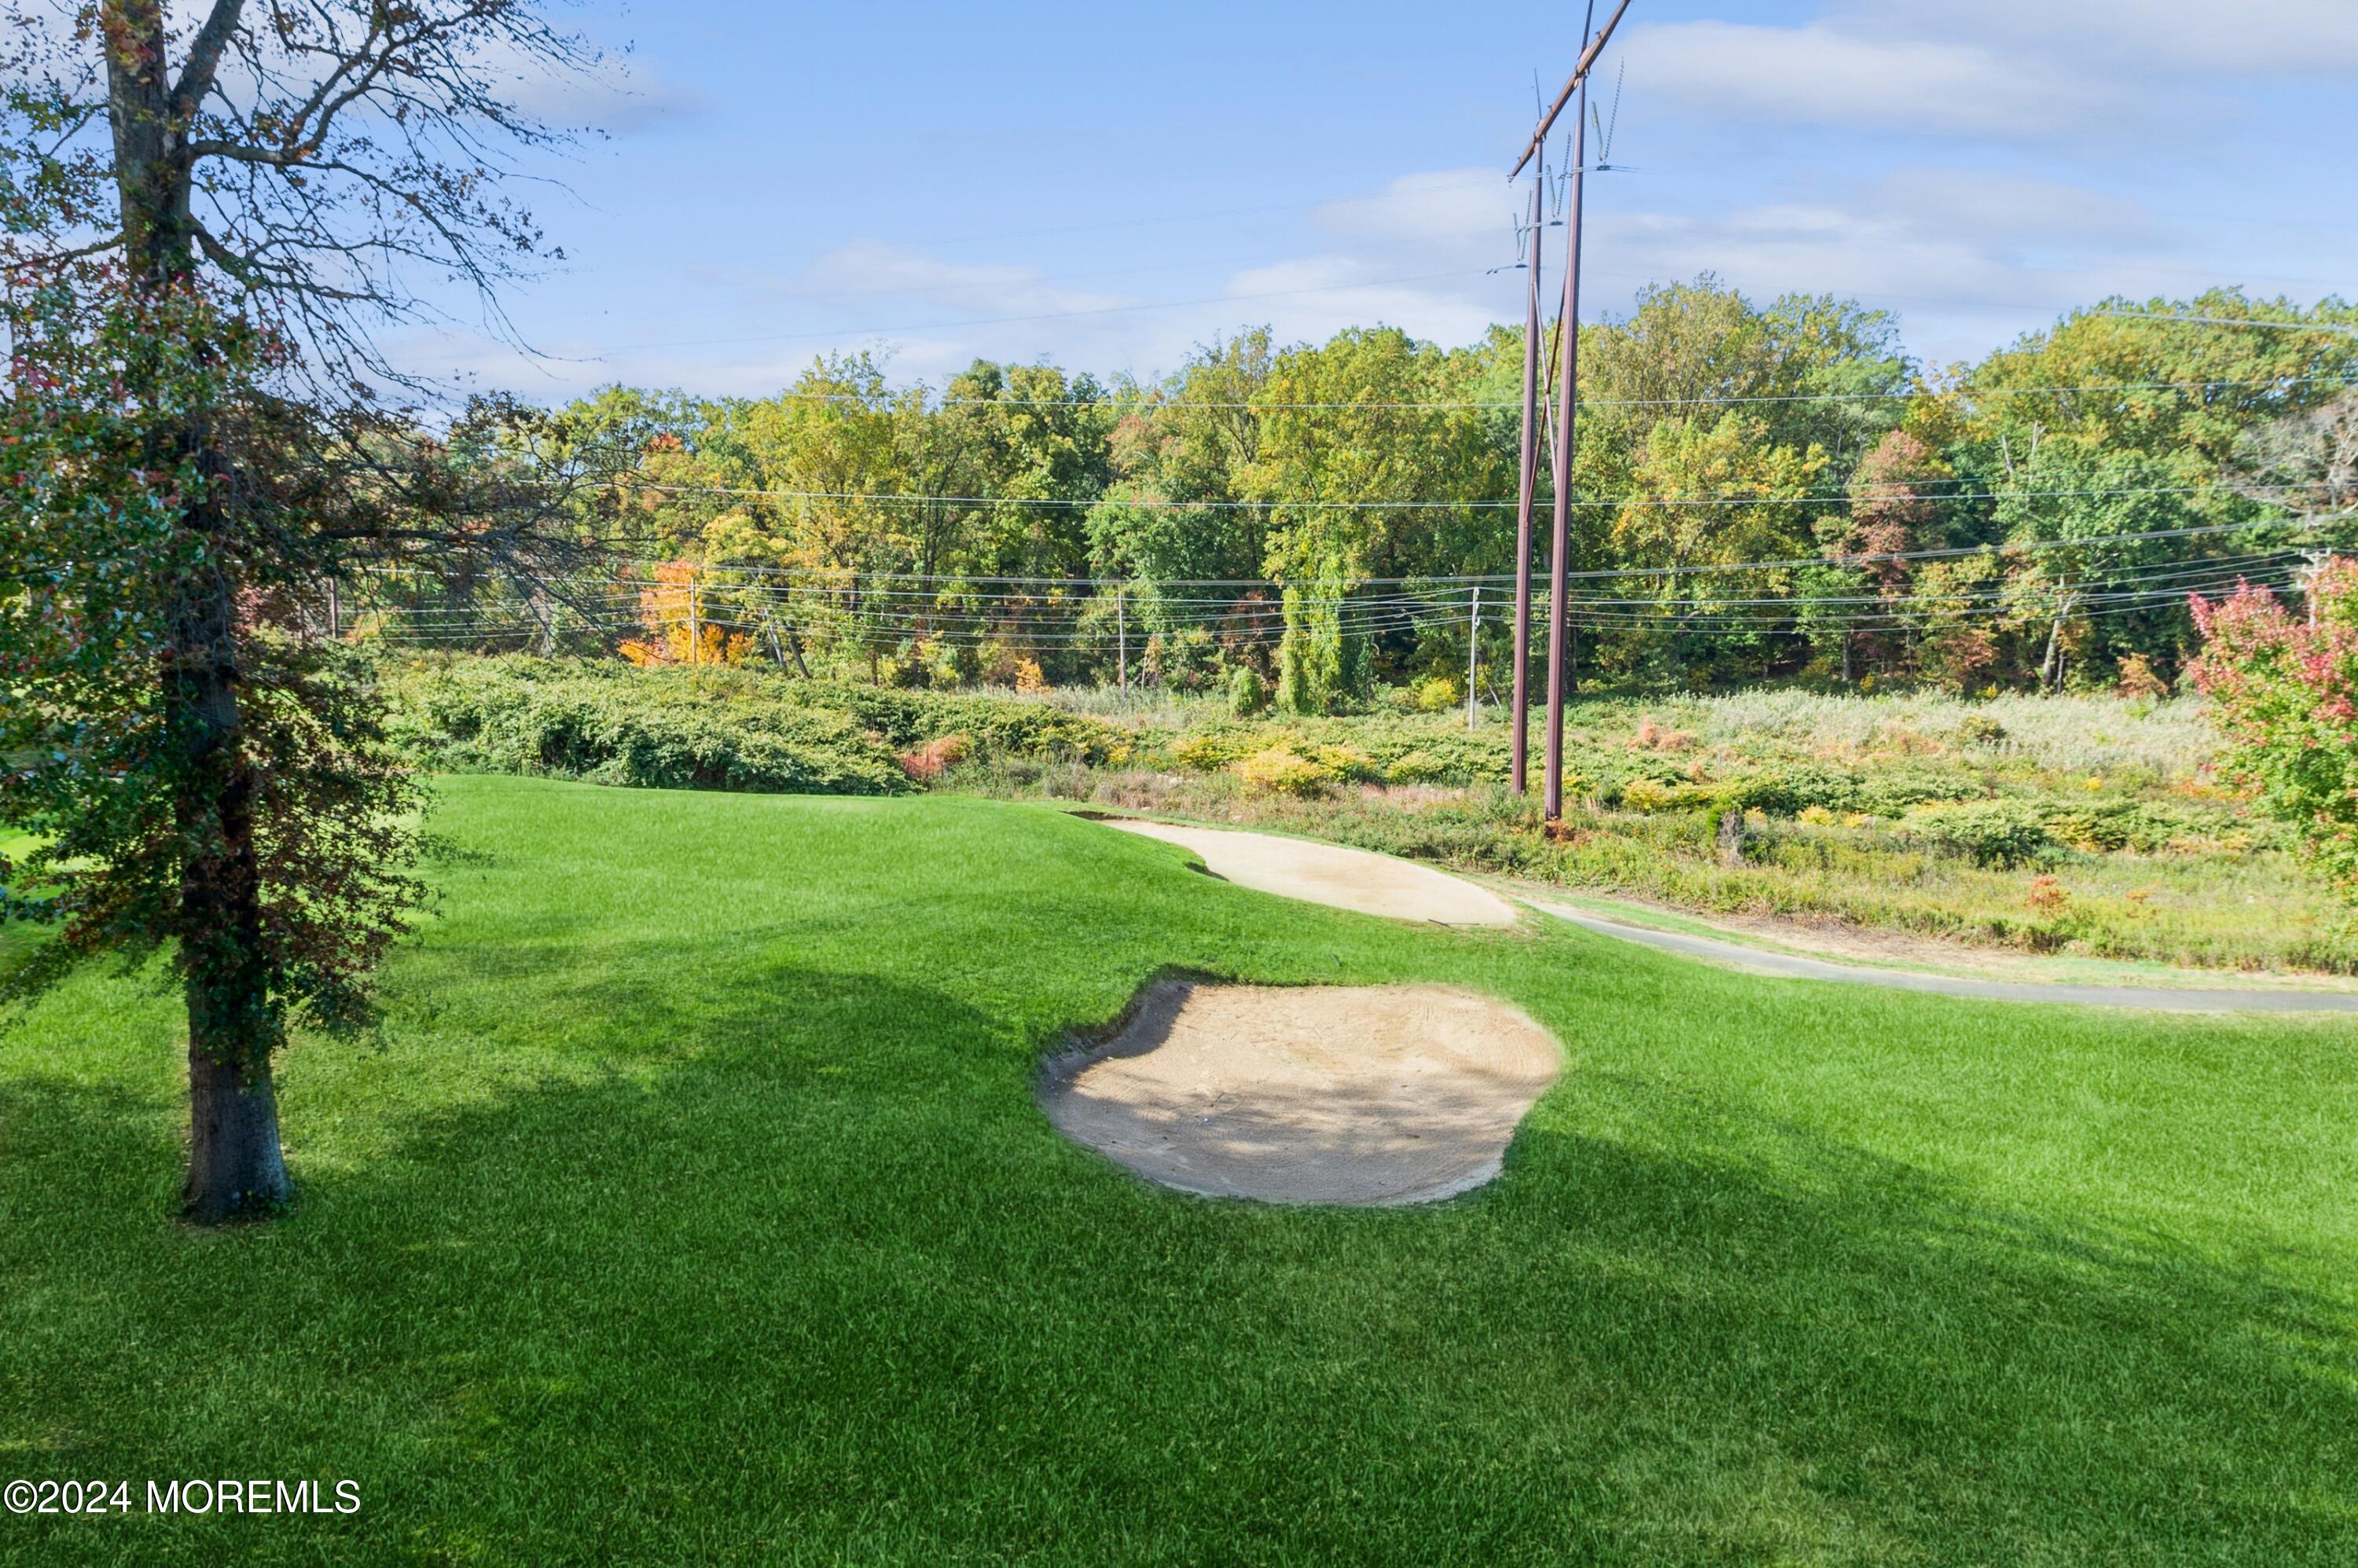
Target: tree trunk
[
  {"x": 2050, "y": 669},
  {"x": 1731, "y": 838},
  {"x": 235, "y": 1168},
  {"x": 235, "y": 1164}
]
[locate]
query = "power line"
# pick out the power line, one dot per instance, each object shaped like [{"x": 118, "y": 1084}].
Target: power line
[
  {"x": 1120, "y": 403},
  {"x": 2231, "y": 321},
  {"x": 849, "y": 577},
  {"x": 1830, "y": 498},
  {"x": 952, "y": 603}
]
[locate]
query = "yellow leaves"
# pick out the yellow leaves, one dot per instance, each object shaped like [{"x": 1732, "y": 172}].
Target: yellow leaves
[
  {"x": 1281, "y": 770},
  {"x": 1706, "y": 493},
  {"x": 676, "y": 611}
]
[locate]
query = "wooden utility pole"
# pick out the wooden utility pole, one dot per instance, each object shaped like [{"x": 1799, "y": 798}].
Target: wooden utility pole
[
  {"x": 1122, "y": 639},
  {"x": 1521, "y": 742}
]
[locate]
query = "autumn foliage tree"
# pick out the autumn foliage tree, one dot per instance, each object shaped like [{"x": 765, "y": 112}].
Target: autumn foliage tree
[{"x": 2284, "y": 690}]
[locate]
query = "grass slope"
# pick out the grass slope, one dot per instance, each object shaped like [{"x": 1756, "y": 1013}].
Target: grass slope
[{"x": 694, "y": 1207}]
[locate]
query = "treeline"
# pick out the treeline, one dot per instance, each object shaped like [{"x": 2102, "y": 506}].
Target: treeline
[{"x": 1774, "y": 491}]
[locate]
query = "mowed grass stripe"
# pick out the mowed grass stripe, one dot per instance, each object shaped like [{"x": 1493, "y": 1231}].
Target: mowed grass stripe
[{"x": 694, "y": 1205}]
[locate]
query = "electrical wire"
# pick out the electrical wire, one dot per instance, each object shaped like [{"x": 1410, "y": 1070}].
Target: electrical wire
[
  {"x": 1121, "y": 404},
  {"x": 1461, "y": 505}
]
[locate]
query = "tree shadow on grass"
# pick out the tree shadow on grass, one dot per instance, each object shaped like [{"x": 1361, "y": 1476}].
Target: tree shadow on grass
[
  {"x": 812, "y": 1276},
  {"x": 1921, "y": 1375}
]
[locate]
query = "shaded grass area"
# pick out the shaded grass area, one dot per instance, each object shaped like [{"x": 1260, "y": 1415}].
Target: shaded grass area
[{"x": 694, "y": 1206}]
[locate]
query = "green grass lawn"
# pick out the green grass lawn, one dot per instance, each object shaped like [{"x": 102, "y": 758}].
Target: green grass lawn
[{"x": 694, "y": 1206}]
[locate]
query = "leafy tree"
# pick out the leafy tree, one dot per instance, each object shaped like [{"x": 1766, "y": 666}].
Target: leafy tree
[
  {"x": 2285, "y": 694},
  {"x": 205, "y": 219},
  {"x": 2307, "y": 464},
  {"x": 2106, "y": 518},
  {"x": 1175, "y": 523},
  {"x": 1369, "y": 457},
  {"x": 1707, "y": 493},
  {"x": 1893, "y": 507}
]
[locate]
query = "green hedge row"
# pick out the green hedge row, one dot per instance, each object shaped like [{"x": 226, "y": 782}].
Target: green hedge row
[{"x": 705, "y": 729}]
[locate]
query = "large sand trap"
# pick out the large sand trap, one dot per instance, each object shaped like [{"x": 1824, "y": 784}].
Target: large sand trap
[
  {"x": 1388, "y": 1095},
  {"x": 1328, "y": 873}
]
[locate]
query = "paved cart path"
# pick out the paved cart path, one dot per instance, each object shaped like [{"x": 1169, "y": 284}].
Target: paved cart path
[
  {"x": 1382, "y": 885},
  {"x": 1786, "y": 966}
]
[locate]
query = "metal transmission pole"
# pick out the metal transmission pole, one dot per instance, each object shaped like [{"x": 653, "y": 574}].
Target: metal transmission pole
[
  {"x": 1568, "y": 392},
  {"x": 1521, "y": 739}
]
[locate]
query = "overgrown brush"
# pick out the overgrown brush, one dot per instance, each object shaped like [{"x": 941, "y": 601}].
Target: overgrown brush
[{"x": 703, "y": 729}]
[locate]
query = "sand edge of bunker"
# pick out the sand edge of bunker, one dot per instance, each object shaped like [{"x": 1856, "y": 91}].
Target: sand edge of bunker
[
  {"x": 1362, "y": 1095},
  {"x": 1313, "y": 871}
]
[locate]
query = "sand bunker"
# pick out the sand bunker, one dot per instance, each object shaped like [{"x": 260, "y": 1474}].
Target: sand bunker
[
  {"x": 1385, "y": 1095},
  {"x": 1327, "y": 873}
]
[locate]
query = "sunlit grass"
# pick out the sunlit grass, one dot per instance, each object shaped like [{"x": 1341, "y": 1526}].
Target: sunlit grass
[{"x": 694, "y": 1206}]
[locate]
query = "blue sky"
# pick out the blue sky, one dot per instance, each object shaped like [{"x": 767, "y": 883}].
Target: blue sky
[{"x": 1107, "y": 185}]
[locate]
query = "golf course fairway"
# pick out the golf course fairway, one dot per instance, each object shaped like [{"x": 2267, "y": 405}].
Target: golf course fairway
[{"x": 694, "y": 1204}]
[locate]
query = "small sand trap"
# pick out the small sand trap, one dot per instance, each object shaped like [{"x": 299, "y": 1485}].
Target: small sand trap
[
  {"x": 1383, "y": 1094},
  {"x": 1330, "y": 874}
]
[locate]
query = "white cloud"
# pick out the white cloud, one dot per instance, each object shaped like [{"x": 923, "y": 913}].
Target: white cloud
[
  {"x": 1443, "y": 209},
  {"x": 2022, "y": 71},
  {"x": 2270, "y": 38},
  {"x": 1829, "y": 74},
  {"x": 2005, "y": 210},
  {"x": 869, "y": 271},
  {"x": 1317, "y": 295}
]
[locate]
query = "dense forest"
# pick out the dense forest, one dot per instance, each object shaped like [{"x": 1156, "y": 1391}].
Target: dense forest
[{"x": 1759, "y": 491}]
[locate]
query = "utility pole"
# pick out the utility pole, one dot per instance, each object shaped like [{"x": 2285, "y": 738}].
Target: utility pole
[
  {"x": 1473, "y": 654},
  {"x": 1520, "y": 742},
  {"x": 1579, "y": 77},
  {"x": 1122, "y": 639},
  {"x": 1567, "y": 399},
  {"x": 1559, "y": 564}
]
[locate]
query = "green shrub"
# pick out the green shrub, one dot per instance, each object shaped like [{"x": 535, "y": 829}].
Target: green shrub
[
  {"x": 1893, "y": 790},
  {"x": 2146, "y": 826},
  {"x": 1347, "y": 763},
  {"x": 1980, "y": 729},
  {"x": 618, "y": 732},
  {"x": 1652, "y": 795},
  {"x": 1789, "y": 791},
  {"x": 1248, "y": 693},
  {"x": 1434, "y": 694},
  {"x": 1280, "y": 770},
  {"x": 1210, "y": 749},
  {"x": 729, "y": 730},
  {"x": 1415, "y": 768},
  {"x": 1987, "y": 832}
]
